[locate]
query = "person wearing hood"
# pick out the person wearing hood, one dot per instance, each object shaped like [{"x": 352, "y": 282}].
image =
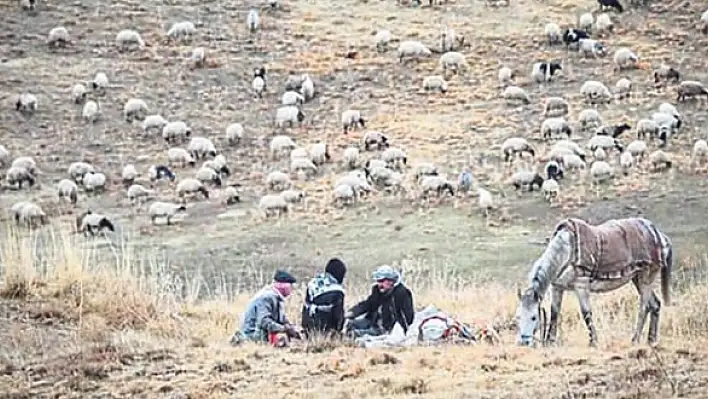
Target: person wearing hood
[
  {"x": 265, "y": 313},
  {"x": 390, "y": 302},
  {"x": 323, "y": 309}
]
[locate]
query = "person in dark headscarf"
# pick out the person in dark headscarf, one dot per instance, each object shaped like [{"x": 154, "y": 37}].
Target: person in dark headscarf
[{"x": 323, "y": 310}]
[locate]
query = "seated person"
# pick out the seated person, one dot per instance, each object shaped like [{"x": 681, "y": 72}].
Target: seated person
[{"x": 323, "y": 310}]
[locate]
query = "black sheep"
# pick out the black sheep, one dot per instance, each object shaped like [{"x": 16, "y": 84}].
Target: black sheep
[
  {"x": 611, "y": 4},
  {"x": 573, "y": 35}
]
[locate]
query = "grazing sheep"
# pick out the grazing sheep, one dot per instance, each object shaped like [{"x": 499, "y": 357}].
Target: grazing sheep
[
  {"x": 28, "y": 5},
  {"x": 425, "y": 169},
  {"x": 191, "y": 186},
  {"x": 176, "y": 130},
  {"x": 154, "y": 123},
  {"x": 158, "y": 172},
  {"x": 550, "y": 189},
  {"x": 303, "y": 165},
  {"x": 394, "y": 157},
  {"x": 350, "y": 119},
  {"x": 351, "y": 157},
  {"x": 553, "y": 32},
  {"x": 293, "y": 196},
  {"x": 91, "y": 112},
  {"x": 613, "y": 130},
  {"x": 660, "y": 160},
  {"x": 67, "y": 189},
  {"x": 319, "y": 153},
  {"x": 218, "y": 165},
  {"x": 375, "y": 163},
  {"x": 4, "y": 155},
  {"x": 647, "y": 126},
  {"x": 278, "y": 181},
  {"x": 412, "y": 49},
  {"x": 208, "y": 175},
  {"x": 292, "y": 98},
  {"x": 555, "y": 107},
  {"x": 164, "y": 209},
  {"x": 182, "y": 31},
  {"x": 699, "y": 151},
  {"x": 637, "y": 148},
  {"x": 555, "y": 126},
  {"x": 667, "y": 126},
  {"x": 77, "y": 170},
  {"x": 544, "y": 71},
  {"x": 129, "y": 40},
  {"x": 572, "y": 162},
  {"x": 307, "y": 89},
  {"x": 601, "y": 171},
  {"x": 586, "y": 21},
  {"x": 485, "y": 201},
  {"x": 604, "y": 142},
  {"x": 704, "y": 22},
  {"x": 665, "y": 73},
  {"x": 280, "y": 144},
  {"x": 135, "y": 108},
  {"x": 26, "y": 103},
  {"x": 573, "y": 35},
  {"x": 595, "y": 92},
  {"x": 437, "y": 184},
  {"x": 453, "y": 60},
  {"x": 273, "y": 204},
  {"x": 671, "y": 110},
  {"x": 129, "y": 174},
  {"x": 589, "y": 118},
  {"x": 99, "y": 82},
  {"x": 600, "y": 154},
  {"x": 553, "y": 170},
  {"x": 136, "y": 191},
  {"x": 690, "y": 89},
  {"x": 379, "y": 175},
  {"x": 526, "y": 178},
  {"x": 382, "y": 39},
  {"x": 259, "y": 86},
  {"x": 626, "y": 162},
  {"x": 591, "y": 46},
  {"x": 27, "y": 163},
  {"x": 30, "y": 214},
  {"x": 625, "y": 59},
  {"x": 623, "y": 88},
  {"x": 572, "y": 146},
  {"x": 289, "y": 114},
  {"x": 201, "y": 147},
  {"x": 180, "y": 156},
  {"x": 94, "y": 181},
  {"x": 505, "y": 76},
  {"x": 58, "y": 37},
  {"x": 198, "y": 57},
  {"x": 253, "y": 21},
  {"x": 231, "y": 195},
  {"x": 514, "y": 94},
  {"x": 234, "y": 133},
  {"x": 299, "y": 153},
  {"x": 603, "y": 23},
  {"x": 615, "y": 4},
  {"x": 516, "y": 146},
  {"x": 358, "y": 183},
  {"x": 435, "y": 82},
  {"x": 374, "y": 138},
  {"x": 344, "y": 194},
  {"x": 78, "y": 93}
]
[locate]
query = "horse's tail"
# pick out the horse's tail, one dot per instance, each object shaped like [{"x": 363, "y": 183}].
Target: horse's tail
[{"x": 666, "y": 277}]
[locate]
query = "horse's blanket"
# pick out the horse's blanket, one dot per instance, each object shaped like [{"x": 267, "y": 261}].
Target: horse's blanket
[{"x": 617, "y": 247}]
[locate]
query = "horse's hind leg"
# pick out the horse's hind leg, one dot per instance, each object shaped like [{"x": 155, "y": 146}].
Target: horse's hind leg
[
  {"x": 556, "y": 302},
  {"x": 654, "y": 310},
  {"x": 646, "y": 295},
  {"x": 584, "y": 300}
]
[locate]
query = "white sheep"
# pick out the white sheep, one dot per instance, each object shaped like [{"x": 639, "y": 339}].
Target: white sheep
[
  {"x": 253, "y": 21},
  {"x": 358, "y": 183},
  {"x": 435, "y": 82},
  {"x": 307, "y": 89},
  {"x": 201, "y": 147},
  {"x": 78, "y": 93},
  {"x": 319, "y": 153},
  {"x": 289, "y": 114},
  {"x": 58, "y": 37},
  {"x": 376, "y": 163},
  {"x": 26, "y": 103},
  {"x": 77, "y": 170},
  {"x": 180, "y": 156},
  {"x": 647, "y": 127},
  {"x": 164, "y": 209},
  {"x": 585, "y": 21},
  {"x": 374, "y": 138},
  {"x": 595, "y": 92},
  {"x": 699, "y": 153},
  {"x": 555, "y": 126},
  {"x": 129, "y": 40},
  {"x": 514, "y": 94},
  {"x": 351, "y": 157},
  {"x": 129, "y": 174},
  {"x": 230, "y": 195},
  {"x": 135, "y": 108},
  {"x": 704, "y": 22},
  {"x": 603, "y": 24},
  {"x": 382, "y": 39},
  {"x": 660, "y": 160},
  {"x": 183, "y": 30},
  {"x": 601, "y": 171},
  {"x": 604, "y": 142},
  {"x": 589, "y": 118},
  {"x": 190, "y": 186},
  {"x": 624, "y": 59},
  {"x": 99, "y": 82},
  {"x": 94, "y": 181},
  {"x": 623, "y": 88},
  {"x": 67, "y": 189},
  {"x": 626, "y": 162},
  {"x": 292, "y": 196},
  {"x": 136, "y": 191},
  {"x": 667, "y": 125},
  {"x": 198, "y": 57},
  {"x": 273, "y": 204},
  {"x": 208, "y": 175},
  {"x": 412, "y": 49},
  {"x": 555, "y": 107},
  {"x": 258, "y": 85},
  {"x": 4, "y": 155},
  {"x": 352, "y": 118},
  {"x": 30, "y": 214},
  {"x": 437, "y": 184},
  {"x": 553, "y": 32},
  {"x": 452, "y": 60},
  {"x": 154, "y": 123},
  {"x": 550, "y": 189},
  {"x": 449, "y": 40},
  {"x": 344, "y": 194},
  {"x": 292, "y": 98},
  {"x": 637, "y": 148},
  {"x": 91, "y": 113},
  {"x": 514, "y": 146},
  {"x": 572, "y": 162},
  {"x": 599, "y": 154},
  {"x": 394, "y": 157},
  {"x": 176, "y": 130},
  {"x": 485, "y": 201},
  {"x": 303, "y": 165},
  {"x": 27, "y": 163},
  {"x": 234, "y": 133},
  {"x": 572, "y": 146},
  {"x": 591, "y": 47},
  {"x": 219, "y": 165},
  {"x": 525, "y": 178},
  {"x": 278, "y": 181},
  {"x": 378, "y": 175},
  {"x": 505, "y": 76},
  {"x": 281, "y": 144},
  {"x": 299, "y": 152},
  {"x": 425, "y": 169}
]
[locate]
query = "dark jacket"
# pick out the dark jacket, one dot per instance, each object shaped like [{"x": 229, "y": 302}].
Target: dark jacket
[
  {"x": 387, "y": 308},
  {"x": 323, "y": 308}
]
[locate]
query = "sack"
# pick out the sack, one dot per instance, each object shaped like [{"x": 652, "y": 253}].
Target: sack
[{"x": 435, "y": 328}]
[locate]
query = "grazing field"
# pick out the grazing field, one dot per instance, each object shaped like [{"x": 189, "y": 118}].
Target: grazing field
[{"x": 146, "y": 311}]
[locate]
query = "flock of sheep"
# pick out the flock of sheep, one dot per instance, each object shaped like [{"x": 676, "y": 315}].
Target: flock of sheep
[{"x": 387, "y": 170}]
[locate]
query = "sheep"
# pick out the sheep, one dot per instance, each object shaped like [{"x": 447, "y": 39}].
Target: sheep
[
  {"x": 67, "y": 189},
  {"x": 667, "y": 126},
  {"x": 699, "y": 151},
  {"x": 94, "y": 181},
  {"x": 555, "y": 107},
  {"x": 382, "y": 39},
  {"x": 379, "y": 175},
  {"x": 555, "y": 126},
  {"x": 637, "y": 148},
  {"x": 293, "y": 196},
  {"x": 58, "y": 37},
  {"x": 601, "y": 171},
  {"x": 550, "y": 189},
  {"x": 525, "y": 178},
  {"x": 27, "y": 163},
  {"x": 394, "y": 182},
  {"x": 704, "y": 22},
  {"x": 437, "y": 184},
  {"x": 278, "y": 181},
  {"x": 690, "y": 89},
  {"x": 303, "y": 165},
  {"x": 350, "y": 119},
  {"x": 613, "y": 130},
  {"x": 198, "y": 57},
  {"x": 573, "y": 35},
  {"x": 99, "y": 82},
  {"x": 623, "y": 88},
  {"x": 351, "y": 157},
  {"x": 412, "y": 49},
  {"x": 612, "y": 4},
  {"x": 626, "y": 162},
  {"x": 183, "y": 30},
  {"x": 164, "y": 209},
  {"x": 260, "y": 71},
  {"x": 319, "y": 153},
  {"x": 219, "y": 165},
  {"x": 374, "y": 138},
  {"x": 135, "y": 108},
  {"x": 665, "y": 73},
  {"x": 201, "y": 147},
  {"x": 586, "y": 21},
  {"x": 604, "y": 142},
  {"x": 514, "y": 94},
  {"x": 344, "y": 194},
  {"x": 157, "y": 172},
  {"x": 253, "y": 21},
  {"x": 595, "y": 92},
  {"x": 280, "y": 144},
  {"x": 234, "y": 133},
  {"x": 307, "y": 89},
  {"x": 208, "y": 175},
  {"x": 394, "y": 157},
  {"x": 572, "y": 162},
  {"x": 516, "y": 146},
  {"x": 660, "y": 160},
  {"x": 292, "y": 98},
  {"x": 358, "y": 183},
  {"x": 299, "y": 152},
  {"x": 176, "y": 130},
  {"x": 259, "y": 86},
  {"x": 453, "y": 60},
  {"x": 625, "y": 59},
  {"x": 647, "y": 126},
  {"x": 553, "y": 32},
  {"x": 231, "y": 195},
  {"x": 30, "y": 214},
  {"x": 289, "y": 114},
  {"x": 91, "y": 112},
  {"x": 671, "y": 110},
  {"x": 603, "y": 24},
  {"x": 191, "y": 186},
  {"x": 129, "y": 40},
  {"x": 293, "y": 83},
  {"x": 435, "y": 82},
  {"x": 544, "y": 71},
  {"x": 77, "y": 170},
  {"x": 375, "y": 163},
  {"x": 129, "y": 174},
  {"x": 180, "y": 156},
  {"x": 589, "y": 118},
  {"x": 425, "y": 169},
  {"x": 4, "y": 155},
  {"x": 572, "y": 146},
  {"x": 154, "y": 123},
  {"x": 29, "y": 5},
  {"x": 553, "y": 170},
  {"x": 26, "y": 103},
  {"x": 136, "y": 191},
  {"x": 600, "y": 154},
  {"x": 505, "y": 76},
  {"x": 273, "y": 204},
  {"x": 591, "y": 46},
  {"x": 16, "y": 209},
  {"x": 449, "y": 40},
  {"x": 78, "y": 93}
]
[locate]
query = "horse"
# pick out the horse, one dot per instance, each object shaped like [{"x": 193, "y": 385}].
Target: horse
[{"x": 586, "y": 259}]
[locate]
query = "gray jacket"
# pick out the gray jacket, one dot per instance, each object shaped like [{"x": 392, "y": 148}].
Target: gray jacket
[{"x": 264, "y": 314}]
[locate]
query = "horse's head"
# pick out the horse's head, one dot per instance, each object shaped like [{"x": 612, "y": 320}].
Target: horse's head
[{"x": 529, "y": 317}]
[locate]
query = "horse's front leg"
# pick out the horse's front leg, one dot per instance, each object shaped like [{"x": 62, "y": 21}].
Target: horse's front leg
[
  {"x": 556, "y": 302},
  {"x": 583, "y": 295}
]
